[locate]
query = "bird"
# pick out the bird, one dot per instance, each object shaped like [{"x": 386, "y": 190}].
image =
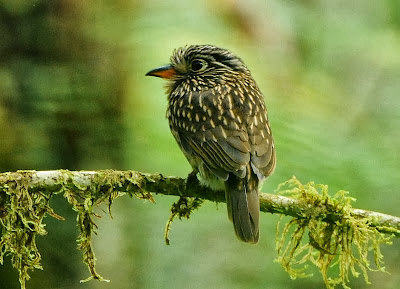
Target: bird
[{"x": 217, "y": 114}]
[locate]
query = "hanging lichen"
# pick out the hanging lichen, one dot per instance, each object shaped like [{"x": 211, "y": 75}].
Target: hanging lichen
[
  {"x": 22, "y": 211},
  {"x": 84, "y": 199},
  {"x": 181, "y": 209},
  {"x": 21, "y": 216},
  {"x": 345, "y": 241}
]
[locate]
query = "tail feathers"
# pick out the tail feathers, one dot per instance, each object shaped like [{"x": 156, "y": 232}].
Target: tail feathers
[{"x": 243, "y": 208}]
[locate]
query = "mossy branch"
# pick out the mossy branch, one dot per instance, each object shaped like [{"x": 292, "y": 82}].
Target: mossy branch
[
  {"x": 25, "y": 195},
  {"x": 138, "y": 183}
]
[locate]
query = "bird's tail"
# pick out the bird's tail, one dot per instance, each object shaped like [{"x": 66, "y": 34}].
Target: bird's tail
[{"x": 243, "y": 207}]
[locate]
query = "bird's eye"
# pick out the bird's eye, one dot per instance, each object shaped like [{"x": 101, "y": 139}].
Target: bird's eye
[{"x": 198, "y": 65}]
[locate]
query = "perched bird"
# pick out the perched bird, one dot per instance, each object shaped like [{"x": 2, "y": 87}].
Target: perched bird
[{"x": 217, "y": 115}]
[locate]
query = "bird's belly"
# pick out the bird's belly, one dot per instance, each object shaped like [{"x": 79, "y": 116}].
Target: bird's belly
[
  {"x": 210, "y": 180},
  {"x": 205, "y": 176}
]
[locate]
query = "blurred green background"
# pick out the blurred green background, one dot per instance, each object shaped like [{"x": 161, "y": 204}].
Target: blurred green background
[{"x": 73, "y": 95}]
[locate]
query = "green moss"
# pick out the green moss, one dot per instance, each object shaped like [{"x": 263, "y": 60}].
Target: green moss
[
  {"x": 335, "y": 237},
  {"x": 21, "y": 219},
  {"x": 84, "y": 199},
  {"x": 181, "y": 209},
  {"x": 22, "y": 211}
]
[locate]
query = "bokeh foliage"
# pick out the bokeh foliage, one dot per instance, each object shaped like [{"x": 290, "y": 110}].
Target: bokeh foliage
[{"x": 73, "y": 95}]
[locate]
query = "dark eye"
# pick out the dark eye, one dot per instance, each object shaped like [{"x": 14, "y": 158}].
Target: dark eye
[{"x": 198, "y": 65}]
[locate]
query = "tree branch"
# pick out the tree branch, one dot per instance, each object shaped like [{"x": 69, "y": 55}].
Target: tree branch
[
  {"x": 134, "y": 182},
  {"x": 334, "y": 229}
]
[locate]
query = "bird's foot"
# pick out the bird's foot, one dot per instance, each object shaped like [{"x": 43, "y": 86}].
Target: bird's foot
[{"x": 192, "y": 179}]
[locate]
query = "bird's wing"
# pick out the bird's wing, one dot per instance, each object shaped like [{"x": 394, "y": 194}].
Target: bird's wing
[
  {"x": 217, "y": 153},
  {"x": 263, "y": 155},
  {"x": 205, "y": 128},
  {"x": 250, "y": 107},
  {"x": 226, "y": 131}
]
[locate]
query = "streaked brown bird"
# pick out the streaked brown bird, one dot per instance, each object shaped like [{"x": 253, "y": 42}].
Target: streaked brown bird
[{"x": 217, "y": 115}]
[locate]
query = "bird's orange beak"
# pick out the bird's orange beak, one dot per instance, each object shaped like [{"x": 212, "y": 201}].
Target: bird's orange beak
[{"x": 166, "y": 72}]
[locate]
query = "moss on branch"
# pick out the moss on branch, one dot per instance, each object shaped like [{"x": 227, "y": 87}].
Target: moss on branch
[{"x": 334, "y": 228}]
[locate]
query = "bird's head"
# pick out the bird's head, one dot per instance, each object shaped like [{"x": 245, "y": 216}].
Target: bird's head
[{"x": 206, "y": 64}]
